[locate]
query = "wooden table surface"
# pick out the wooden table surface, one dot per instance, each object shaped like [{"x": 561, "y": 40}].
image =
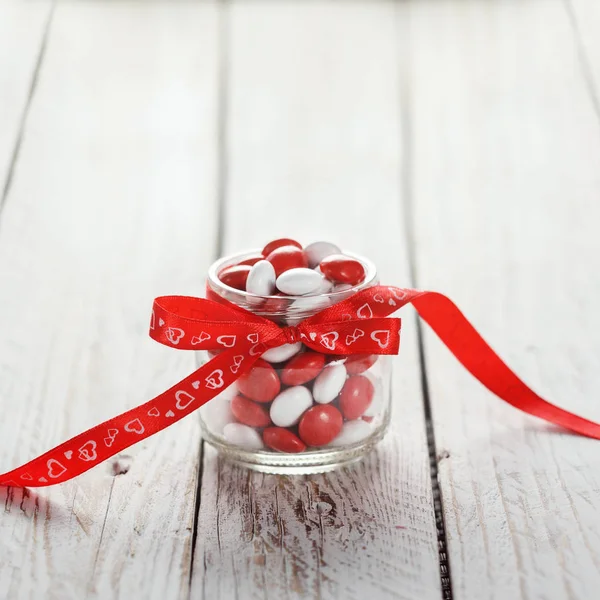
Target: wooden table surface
[{"x": 456, "y": 143}]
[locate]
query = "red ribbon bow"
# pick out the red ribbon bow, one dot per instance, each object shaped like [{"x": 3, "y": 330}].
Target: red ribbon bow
[{"x": 358, "y": 325}]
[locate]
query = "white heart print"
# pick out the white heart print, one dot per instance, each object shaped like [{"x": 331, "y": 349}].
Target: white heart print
[
  {"x": 257, "y": 349},
  {"x": 215, "y": 380},
  {"x": 183, "y": 399},
  {"x": 134, "y": 426},
  {"x": 55, "y": 469},
  {"x": 398, "y": 294},
  {"x": 87, "y": 452},
  {"x": 329, "y": 339},
  {"x": 174, "y": 335},
  {"x": 350, "y": 339},
  {"x": 365, "y": 311},
  {"x": 237, "y": 361},
  {"x": 111, "y": 434},
  {"x": 381, "y": 336},
  {"x": 227, "y": 340},
  {"x": 198, "y": 339}
]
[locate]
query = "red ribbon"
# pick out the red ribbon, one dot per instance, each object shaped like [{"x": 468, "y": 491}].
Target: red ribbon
[{"x": 358, "y": 325}]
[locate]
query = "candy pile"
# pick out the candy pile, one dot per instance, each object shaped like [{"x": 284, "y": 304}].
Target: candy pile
[
  {"x": 295, "y": 399},
  {"x": 285, "y": 268}
]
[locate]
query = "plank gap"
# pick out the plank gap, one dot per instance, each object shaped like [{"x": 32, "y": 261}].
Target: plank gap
[
  {"x": 222, "y": 48},
  {"x": 406, "y": 186},
  {"x": 196, "y": 512},
  {"x": 32, "y": 88},
  {"x": 584, "y": 62},
  {"x": 222, "y": 124}
]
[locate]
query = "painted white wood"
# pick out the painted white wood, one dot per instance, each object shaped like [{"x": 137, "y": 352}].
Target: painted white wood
[
  {"x": 314, "y": 152},
  {"x": 585, "y": 21},
  {"x": 112, "y": 203},
  {"x": 506, "y": 183},
  {"x": 22, "y": 26}
]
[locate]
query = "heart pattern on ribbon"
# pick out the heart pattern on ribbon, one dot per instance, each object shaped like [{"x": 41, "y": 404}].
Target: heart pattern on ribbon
[{"x": 360, "y": 324}]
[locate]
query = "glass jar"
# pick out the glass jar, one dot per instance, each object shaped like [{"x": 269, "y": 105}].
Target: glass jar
[{"x": 251, "y": 444}]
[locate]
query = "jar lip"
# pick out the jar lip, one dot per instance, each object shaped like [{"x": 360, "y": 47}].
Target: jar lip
[{"x": 233, "y": 259}]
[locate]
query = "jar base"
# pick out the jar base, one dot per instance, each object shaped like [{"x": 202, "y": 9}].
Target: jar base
[{"x": 304, "y": 463}]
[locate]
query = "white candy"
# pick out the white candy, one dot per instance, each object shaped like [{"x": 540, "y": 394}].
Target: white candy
[
  {"x": 338, "y": 292},
  {"x": 261, "y": 279},
  {"x": 309, "y": 303},
  {"x": 325, "y": 287},
  {"x": 352, "y": 432},
  {"x": 317, "y": 251},
  {"x": 298, "y": 282},
  {"x": 281, "y": 353},
  {"x": 216, "y": 414},
  {"x": 302, "y": 308},
  {"x": 242, "y": 435},
  {"x": 329, "y": 383},
  {"x": 290, "y": 405}
]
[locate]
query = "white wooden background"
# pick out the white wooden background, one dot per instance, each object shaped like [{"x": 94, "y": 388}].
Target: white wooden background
[{"x": 455, "y": 142}]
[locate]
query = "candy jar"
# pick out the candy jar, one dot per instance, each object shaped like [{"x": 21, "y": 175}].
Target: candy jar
[{"x": 297, "y": 410}]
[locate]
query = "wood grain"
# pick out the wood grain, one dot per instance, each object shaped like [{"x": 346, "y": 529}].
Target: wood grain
[
  {"x": 313, "y": 142},
  {"x": 22, "y": 33},
  {"x": 584, "y": 16},
  {"x": 506, "y": 179},
  {"x": 112, "y": 203}
]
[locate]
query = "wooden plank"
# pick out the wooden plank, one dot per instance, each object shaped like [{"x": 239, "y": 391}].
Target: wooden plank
[
  {"x": 22, "y": 29},
  {"x": 112, "y": 203},
  {"x": 313, "y": 142},
  {"x": 584, "y": 16},
  {"x": 506, "y": 162}
]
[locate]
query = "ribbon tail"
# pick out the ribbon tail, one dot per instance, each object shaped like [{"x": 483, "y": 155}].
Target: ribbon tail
[
  {"x": 473, "y": 352},
  {"x": 86, "y": 450}
]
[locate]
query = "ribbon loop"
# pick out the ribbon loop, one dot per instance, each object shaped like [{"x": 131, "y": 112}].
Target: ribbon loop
[{"x": 357, "y": 325}]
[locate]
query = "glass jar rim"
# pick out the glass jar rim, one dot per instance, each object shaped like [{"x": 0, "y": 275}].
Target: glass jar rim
[{"x": 233, "y": 259}]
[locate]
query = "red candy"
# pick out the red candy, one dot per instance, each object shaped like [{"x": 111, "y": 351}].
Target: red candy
[
  {"x": 249, "y": 413},
  {"x": 275, "y": 304},
  {"x": 252, "y": 260},
  {"x": 278, "y": 244},
  {"x": 261, "y": 383},
  {"x": 235, "y": 276},
  {"x": 320, "y": 425},
  {"x": 287, "y": 257},
  {"x": 303, "y": 368},
  {"x": 342, "y": 269},
  {"x": 274, "y": 308},
  {"x": 356, "y": 396},
  {"x": 359, "y": 363},
  {"x": 282, "y": 439}
]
